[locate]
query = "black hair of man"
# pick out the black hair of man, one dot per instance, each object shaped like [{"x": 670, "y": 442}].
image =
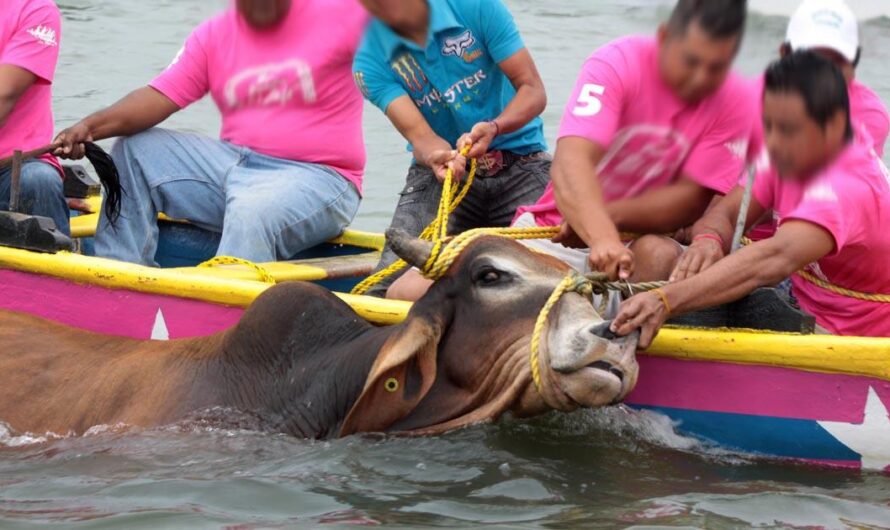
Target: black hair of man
[
  {"x": 720, "y": 19},
  {"x": 818, "y": 81}
]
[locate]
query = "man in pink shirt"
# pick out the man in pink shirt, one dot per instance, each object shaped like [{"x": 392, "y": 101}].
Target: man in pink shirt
[
  {"x": 832, "y": 196},
  {"x": 654, "y": 128},
  {"x": 29, "y": 49},
  {"x": 829, "y": 28},
  {"x": 287, "y": 171}
]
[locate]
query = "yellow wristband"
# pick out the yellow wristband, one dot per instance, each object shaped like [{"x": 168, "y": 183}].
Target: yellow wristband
[{"x": 664, "y": 299}]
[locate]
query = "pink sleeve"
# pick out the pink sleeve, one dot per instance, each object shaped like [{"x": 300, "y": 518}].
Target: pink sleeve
[
  {"x": 34, "y": 44},
  {"x": 839, "y": 211},
  {"x": 719, "y": 157},
  {"x": 595, "y": 108},
  {"x": 764, "y": 191},
  {"x": 185, "y": 80}
]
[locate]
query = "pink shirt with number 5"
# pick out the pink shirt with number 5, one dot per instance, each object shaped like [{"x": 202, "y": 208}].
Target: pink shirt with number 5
[
  {"x": 287, "y": 92},
  {"x": 850, "y": 199},
  {"x": 29, "y": 39},
  {"x": 651, "y": 136}
]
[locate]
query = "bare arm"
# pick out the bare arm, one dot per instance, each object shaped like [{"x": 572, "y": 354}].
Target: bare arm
[
  {"x": 137, "y": 111},
  {"x": 767, "y": 262},
  {"x": 528, "y": 103},
  {"x": 14, "y": 81},
  {"x": 579, "y": 198},
  {"x": 430, "y": 149},
  {"x": 667, "y": 208}
]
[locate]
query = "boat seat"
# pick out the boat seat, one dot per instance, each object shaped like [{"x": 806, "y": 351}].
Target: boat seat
[{"x": 766, "y": 309}]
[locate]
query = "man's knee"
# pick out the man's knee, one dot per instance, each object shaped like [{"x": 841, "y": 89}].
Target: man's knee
[
  {"x": 655, "y": 257},
  {"x": 39, "y": 180}
]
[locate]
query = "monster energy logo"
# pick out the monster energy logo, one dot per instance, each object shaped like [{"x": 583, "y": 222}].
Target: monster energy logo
[{"x": 409, "y": 70}]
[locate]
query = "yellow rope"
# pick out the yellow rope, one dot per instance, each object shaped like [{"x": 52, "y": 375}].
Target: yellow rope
[
  {"x": 836, "y": 289},
  {"x": 264, "y": 275},
  {"x": 436, "y": 231}
]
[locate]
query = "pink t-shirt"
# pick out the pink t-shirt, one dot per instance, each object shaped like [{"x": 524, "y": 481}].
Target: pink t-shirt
[
  {"x": 286, "y": 92},
  {"x": 652, "y": 137},
  {"x": 29, "y": 38},
  {"x": 851, "y": 200}
]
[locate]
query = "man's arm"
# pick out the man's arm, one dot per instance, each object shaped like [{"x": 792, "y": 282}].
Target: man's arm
[
  {"x": 667, "y": 209},
  {"x": 712, "y": 235},
  {"x": 430, "y": 149},
  {"x": 14, "y": 81},
  {"x": 528, "y": 103},
  {"x": 139, "y": 110},
  {"x": 767, "y": 262},
  {"x": 579, "y": 198}
]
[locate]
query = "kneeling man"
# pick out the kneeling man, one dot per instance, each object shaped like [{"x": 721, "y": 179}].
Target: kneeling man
[
  {"x": 832, "y": 197},
  {"x": 286, "y": 173}
]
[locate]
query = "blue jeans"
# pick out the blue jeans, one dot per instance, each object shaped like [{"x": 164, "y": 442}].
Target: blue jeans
[
  {"x": 40, "y": 192},
  {"x": 265, "y": 208}
]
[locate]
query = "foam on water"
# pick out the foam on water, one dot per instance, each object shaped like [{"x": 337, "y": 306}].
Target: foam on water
[{"x": 10, "y": 438}]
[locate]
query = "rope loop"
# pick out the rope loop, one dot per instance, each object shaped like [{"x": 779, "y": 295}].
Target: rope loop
[{"x": 264, "y": 275}]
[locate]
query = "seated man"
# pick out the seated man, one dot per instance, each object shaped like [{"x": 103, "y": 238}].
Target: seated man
[
  {"x": 286, "y": 174},
  {"x": 832, "y": 195},
  {"x": 654, "y": 128},
  {"x": 29, "y": 49},
  {"x": 829, "y": 28},
  {"x": 451, "y": 73}
]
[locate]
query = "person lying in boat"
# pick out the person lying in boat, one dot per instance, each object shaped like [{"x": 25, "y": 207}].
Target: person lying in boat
[
  {"x": 654, "y": 128},
  {"x": 30, "y": 32},
  {"x": 287, "y": 171},
  {"x": 452, "y": 73},
  {"x": 832, "y": 196}
]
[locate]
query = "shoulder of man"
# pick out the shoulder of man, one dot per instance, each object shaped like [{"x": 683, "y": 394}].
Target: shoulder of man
[{"x": 626, "y": 51}]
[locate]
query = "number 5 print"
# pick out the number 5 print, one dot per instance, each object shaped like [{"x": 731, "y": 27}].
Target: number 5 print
[{"x": 588, "y": 104}]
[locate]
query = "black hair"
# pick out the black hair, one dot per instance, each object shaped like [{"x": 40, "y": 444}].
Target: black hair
[
  {"x": 818, "y": 81},
  {"x": 719, "y": 18}
]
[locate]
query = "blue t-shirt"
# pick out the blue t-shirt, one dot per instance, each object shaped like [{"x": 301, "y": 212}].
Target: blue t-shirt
[{"x": 455, "y": 81}]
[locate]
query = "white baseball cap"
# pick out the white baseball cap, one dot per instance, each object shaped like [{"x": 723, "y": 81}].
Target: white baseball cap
[{"x": 825, "y": 24}]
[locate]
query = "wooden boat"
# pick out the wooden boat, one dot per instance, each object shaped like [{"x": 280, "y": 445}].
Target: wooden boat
[{"x": 811, "y": 398}]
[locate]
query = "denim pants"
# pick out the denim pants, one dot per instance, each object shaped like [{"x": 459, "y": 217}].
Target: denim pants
[
  {"x": 265, "y": 208},
  {"x": 40, "y": 192},
  {"x": 491, "y": 202}
]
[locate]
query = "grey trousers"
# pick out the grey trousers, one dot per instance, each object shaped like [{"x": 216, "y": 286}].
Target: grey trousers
[{"x": 491, "y": 202}]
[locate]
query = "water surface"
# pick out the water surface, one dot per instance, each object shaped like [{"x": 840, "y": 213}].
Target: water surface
[{"x": 606, "y": 469}]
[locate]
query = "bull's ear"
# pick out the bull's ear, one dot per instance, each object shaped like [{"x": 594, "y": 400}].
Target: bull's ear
[{"x": 401, "y": 376}]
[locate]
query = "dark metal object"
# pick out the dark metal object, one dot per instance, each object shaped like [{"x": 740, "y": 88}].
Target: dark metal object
[
  {"x": 15, "y": 183},
  {"x": 31, "y": 232},
  {"x": 764, "y": 309},
  {"x": 79, "y": 184}
]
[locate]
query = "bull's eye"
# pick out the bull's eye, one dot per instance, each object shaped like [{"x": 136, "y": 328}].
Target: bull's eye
[{"x": 489, "y": 277}]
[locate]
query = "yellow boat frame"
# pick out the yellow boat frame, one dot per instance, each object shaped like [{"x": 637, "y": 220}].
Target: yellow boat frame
[{"x": 237, "y": 286}]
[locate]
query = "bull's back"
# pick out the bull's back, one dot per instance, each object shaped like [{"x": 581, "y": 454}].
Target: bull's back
[{"x": 54, "y": 378}]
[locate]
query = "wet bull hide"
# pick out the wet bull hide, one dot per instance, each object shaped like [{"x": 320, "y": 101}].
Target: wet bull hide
[{"x": 303, "y": 361}]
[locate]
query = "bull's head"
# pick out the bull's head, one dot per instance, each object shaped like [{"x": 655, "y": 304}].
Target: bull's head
[{"x": 463, "y": 354}]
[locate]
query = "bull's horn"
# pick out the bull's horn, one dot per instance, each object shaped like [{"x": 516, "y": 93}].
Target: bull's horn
[{"x": 411, "y": 249}]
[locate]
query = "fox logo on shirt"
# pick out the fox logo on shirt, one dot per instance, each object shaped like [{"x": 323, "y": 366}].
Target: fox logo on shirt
[{"x": 458, "y": 46}]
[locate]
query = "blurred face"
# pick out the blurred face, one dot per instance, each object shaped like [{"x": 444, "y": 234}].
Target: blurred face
[
  {"x": 263, "y": 14},
  {"x": 695, "y": 64},
  {"x": 398, "y": 13},
  {"x": 798, "y": 146}
]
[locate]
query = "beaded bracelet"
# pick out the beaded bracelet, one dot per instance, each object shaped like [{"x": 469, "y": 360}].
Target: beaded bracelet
[{"x": 711, "y": 236}]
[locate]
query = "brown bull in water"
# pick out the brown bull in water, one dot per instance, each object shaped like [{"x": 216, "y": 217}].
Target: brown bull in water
[{"x": 306, "y": 364}]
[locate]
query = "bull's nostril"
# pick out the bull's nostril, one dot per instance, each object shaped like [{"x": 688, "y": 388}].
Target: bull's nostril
[{"x": 603, "y": 330}]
